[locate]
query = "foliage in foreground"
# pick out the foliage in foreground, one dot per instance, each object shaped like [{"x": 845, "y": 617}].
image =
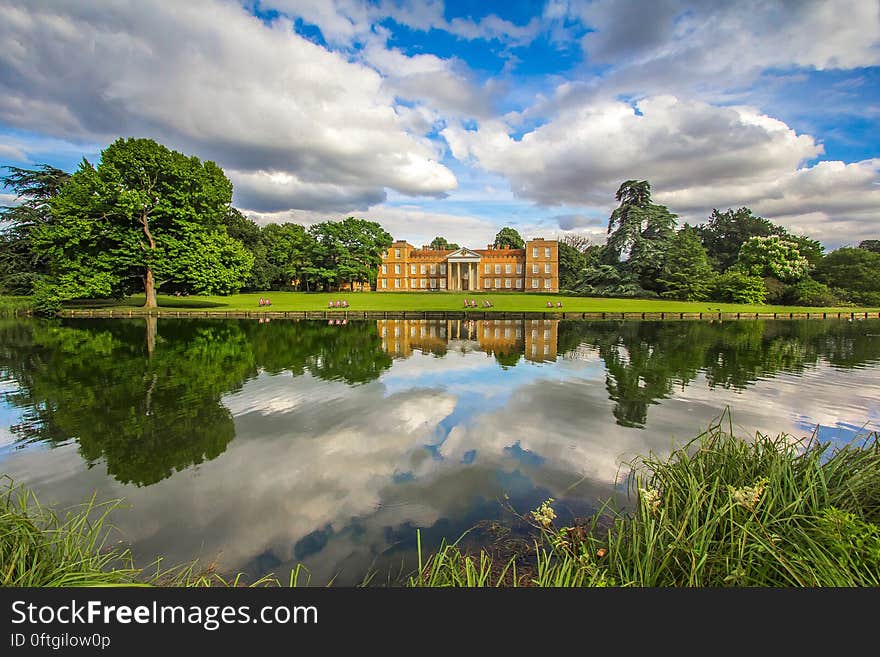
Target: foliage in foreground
[{"x": 718, "y": 512}]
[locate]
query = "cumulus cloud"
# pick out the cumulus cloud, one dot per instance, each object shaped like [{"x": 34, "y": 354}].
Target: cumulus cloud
[
  {"x": 209, "y": 78},
  {"x": 688, "y": 42},
  {"x": 696, "y": 155}
]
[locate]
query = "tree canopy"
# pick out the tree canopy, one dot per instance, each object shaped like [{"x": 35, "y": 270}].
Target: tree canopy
[
  {"x": 441, "y": 244},
  {"x": 144, "y": 216},
  {"x": 509, "y": 238}
]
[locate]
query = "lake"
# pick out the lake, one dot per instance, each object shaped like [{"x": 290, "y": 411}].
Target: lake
[{"x": 263, "y": 444}]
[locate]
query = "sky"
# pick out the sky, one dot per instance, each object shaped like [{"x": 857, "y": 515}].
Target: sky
[{"x": 446, "y": 118}]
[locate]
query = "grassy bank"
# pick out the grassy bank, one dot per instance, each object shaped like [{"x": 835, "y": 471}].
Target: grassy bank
[
  {"x": 720, "y": 511},
  {"x": 440, "y": 301},
  {"x": 10, "y": 306}
]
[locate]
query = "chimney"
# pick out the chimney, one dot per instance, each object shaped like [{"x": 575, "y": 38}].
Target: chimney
[
  {"x": 425, "y": 247},
  {"x": 490, "y": 246}
]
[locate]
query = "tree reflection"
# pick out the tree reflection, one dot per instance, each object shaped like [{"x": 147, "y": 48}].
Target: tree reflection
[
  {"x": 646, "y": 361},
  {"x": 145, "y": 396}
]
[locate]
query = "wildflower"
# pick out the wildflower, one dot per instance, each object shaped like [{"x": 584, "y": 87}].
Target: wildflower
[
  {"x": 544, "y": 514},
  {"x": 748, "y": 496},
  {"x": 601, "y": 552},
  {"x": 651, "y": 498}
]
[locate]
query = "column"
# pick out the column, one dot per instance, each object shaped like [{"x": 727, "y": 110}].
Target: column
[{"x": 458, "y": 276}]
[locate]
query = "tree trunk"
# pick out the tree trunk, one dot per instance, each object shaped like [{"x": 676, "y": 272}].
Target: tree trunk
[
  {"x": 152, "y": 330},
  {"x": 150, "y": 289}
]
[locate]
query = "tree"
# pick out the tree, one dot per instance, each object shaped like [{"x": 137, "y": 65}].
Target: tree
[
  {"x": 144, "y": 216},
  {"x": 856, "y": 271},
  {"x": 578, "y": 242},
  {"x": 509, "y": 238},
  {"x": 20, "y": 263},
  {"x": 288, "y": 248},
  {"x": 725, "y": 232},
  {"x": 686, "y": 273},
  {"x": 440, "y": 244},
  {"x": 347, "y": 251},
  {"x": 736, "y": 286},
  {"x": 571, "y": 263},
  {"x": 773, "y": 256},
  {"x": 641, "y": 231},
  {"x": 870, "y": 245}
]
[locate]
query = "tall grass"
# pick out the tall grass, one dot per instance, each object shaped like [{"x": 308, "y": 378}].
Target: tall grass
[
  {"x": 41, "y": 547},
  {"x": 719, "y": 511},
  {"x": 12, "y": 306}
]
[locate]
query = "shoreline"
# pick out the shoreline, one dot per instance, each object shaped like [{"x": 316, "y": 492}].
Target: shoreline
[{"x": 461, "y": 314}]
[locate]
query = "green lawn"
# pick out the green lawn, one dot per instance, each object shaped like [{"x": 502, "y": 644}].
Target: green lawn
[{"x": 451, "y": 301}]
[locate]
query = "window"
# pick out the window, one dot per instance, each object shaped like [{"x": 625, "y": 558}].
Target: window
[
  {"x": 433, "y": 283},
  {"x": 424, "y": 268},
  {"x": 546, "y": 283},
  {"x": 443, "y": 269},
  {"x": 534, "y": 269},
  {"x": 534, "y": 282},
  {"x": 547, "y": 252},
  {"x": 384, "y": 283},
  {"x": 506, "y": 331},
  {"x": 397, "y": 253},
  {"x": 546, "y": 349},
  {"x": 518, "y": 283},
  {"x": 486, "y": 269},
  {"x": 433, "y": 269},
  {"x": 412, "y": 269},
  {"x": 507, "y": 283},
  {"x": 384, "y": 269},
  {"x": 442, "y": 283},
  {"x": 534, "y": 252},
  {"x": 424, "y": 283},
  {"x": 547, "y": 268},
  {"x": 508, "y": 268},
  {"x": 396, "y": 282},
  {"x": 497, "y": 282},
  {"x": 519, "y": 268},
  {"x": 497, "y": 269},
  {"x": 396, "y": 269},
  {"x": 546, "y": 334}
]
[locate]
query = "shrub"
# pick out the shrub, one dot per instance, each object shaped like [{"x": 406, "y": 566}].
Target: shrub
[
  {"x": 810, "y": 293},
  {"x": 738, "y": 287}
]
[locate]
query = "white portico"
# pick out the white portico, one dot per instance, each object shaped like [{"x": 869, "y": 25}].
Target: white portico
[{"x": 463, "y": 270}]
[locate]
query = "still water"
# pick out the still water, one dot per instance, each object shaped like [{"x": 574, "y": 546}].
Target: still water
[{"x": 265, "y": 444}]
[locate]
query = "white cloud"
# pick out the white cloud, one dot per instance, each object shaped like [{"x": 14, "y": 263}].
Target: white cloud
[
  {"x": 208, "y": 78},
  {"x": 723, "y": 43},
  {"x": 697, "y": 156}
]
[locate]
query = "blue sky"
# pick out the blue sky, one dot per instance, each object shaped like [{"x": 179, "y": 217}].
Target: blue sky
[{"x": 457, "y": 118}]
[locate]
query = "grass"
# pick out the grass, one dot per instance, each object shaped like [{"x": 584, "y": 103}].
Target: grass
[
  {"x": 719, "y": 511},
  {"x": 439, "y": 301},
  {"x": 10, "y": 306}
]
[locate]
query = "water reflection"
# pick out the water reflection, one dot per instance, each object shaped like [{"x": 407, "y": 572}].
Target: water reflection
[{"x": 273, "y": 442}]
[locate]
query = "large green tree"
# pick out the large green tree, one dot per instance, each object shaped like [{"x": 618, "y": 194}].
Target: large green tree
[
  {"x": 773, "y": 256},
  {"x": 724, "y": 233},
  {"x": 347, "y": 251},
  {"x": 144, "y": 216},
  {"x": 571, "y": 263},
  {"x": 870, "y": 245},
  {"x": 641, "y": 231},
  {"x": 686, "y": 273},
  {"x": 509, "y": 238},
  {"x": 855, "y": 271},
  {"x": 442, "y": 244},
  {"x": 288, "y": 250},
  {"x": 21, "y": 264}
]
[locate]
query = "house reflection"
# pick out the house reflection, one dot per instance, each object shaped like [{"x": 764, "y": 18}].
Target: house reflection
[{"x": 533, "y": 339}]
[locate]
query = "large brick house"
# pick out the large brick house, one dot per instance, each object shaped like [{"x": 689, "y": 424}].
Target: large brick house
[{"x": 535, "y": 268}]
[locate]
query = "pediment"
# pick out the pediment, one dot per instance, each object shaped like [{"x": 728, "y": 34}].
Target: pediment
[{"x": 464, "y": 255}]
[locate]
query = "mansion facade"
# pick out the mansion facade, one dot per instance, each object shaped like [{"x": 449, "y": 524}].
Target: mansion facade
[{"x": 535, "y": 268}]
